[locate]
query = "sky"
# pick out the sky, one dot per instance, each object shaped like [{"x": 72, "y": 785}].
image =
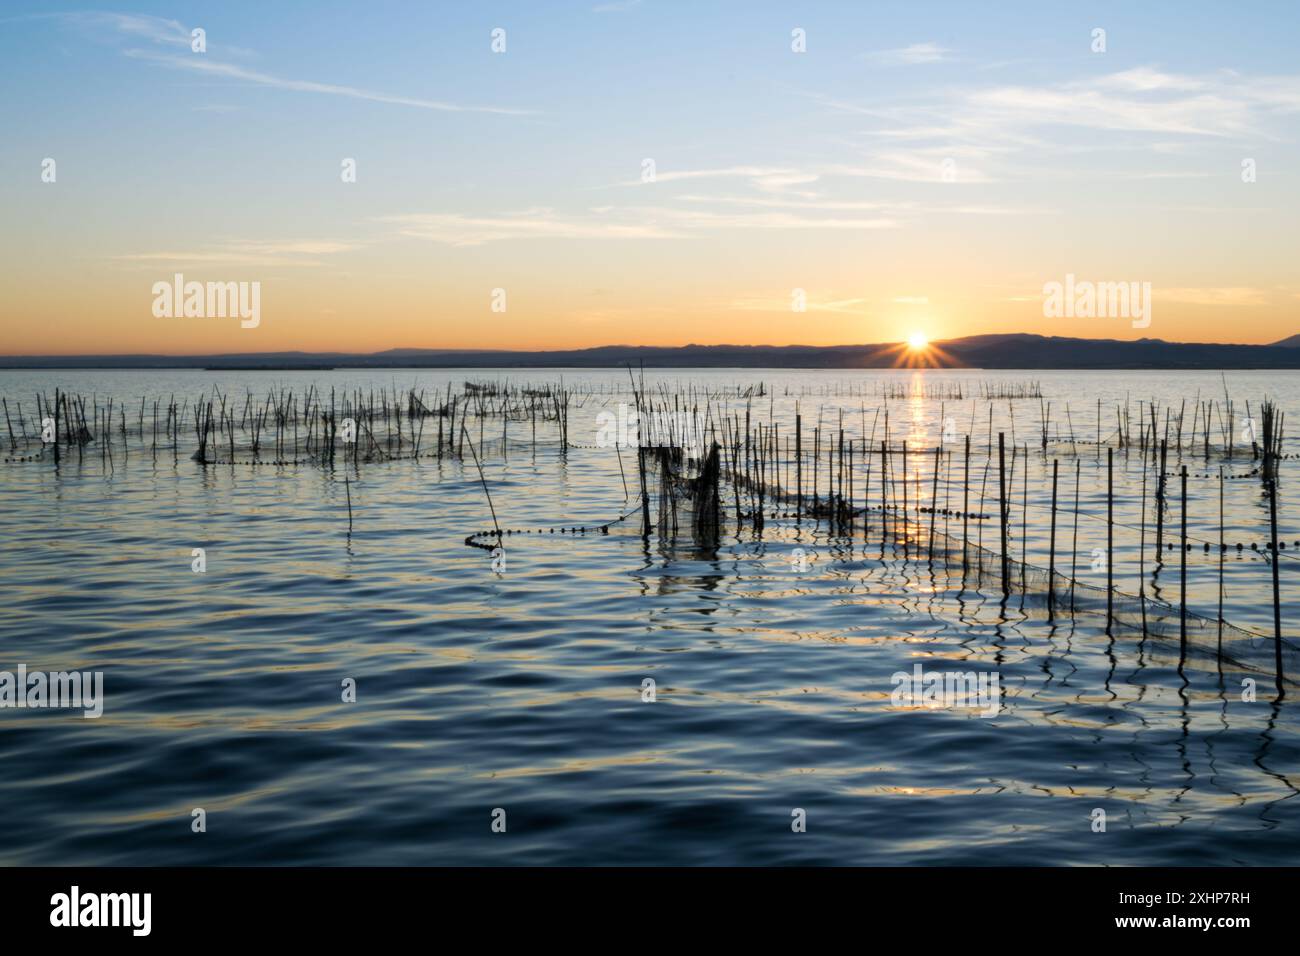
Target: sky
[{"x": 643, "y": 172}]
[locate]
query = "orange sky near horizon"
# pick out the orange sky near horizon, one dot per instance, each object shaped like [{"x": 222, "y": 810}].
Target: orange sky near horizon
[{"x": 369, "y": 300}]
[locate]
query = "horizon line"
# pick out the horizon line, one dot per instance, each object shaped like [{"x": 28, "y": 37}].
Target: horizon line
[{"x": 623, "y": 345}]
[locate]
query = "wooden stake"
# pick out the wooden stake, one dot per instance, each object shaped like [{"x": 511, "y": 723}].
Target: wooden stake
[
  {"x": 1051, "y": 553},
  {"x": 1002, "y": 511}
]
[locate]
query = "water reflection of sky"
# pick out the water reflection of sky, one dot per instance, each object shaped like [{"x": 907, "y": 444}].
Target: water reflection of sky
[{"x": 524, "y": 690}]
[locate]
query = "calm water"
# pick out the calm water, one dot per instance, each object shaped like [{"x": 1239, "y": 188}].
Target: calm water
[{"x": 521, "y": 690}]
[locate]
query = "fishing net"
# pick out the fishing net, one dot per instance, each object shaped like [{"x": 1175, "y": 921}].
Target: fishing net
[
  {"x": 686, "y": 491},
  {"x": 918, "y": 534}
]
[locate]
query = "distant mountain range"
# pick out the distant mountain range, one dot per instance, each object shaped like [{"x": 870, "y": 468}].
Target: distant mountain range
[{"x": 1009, "y": 351}]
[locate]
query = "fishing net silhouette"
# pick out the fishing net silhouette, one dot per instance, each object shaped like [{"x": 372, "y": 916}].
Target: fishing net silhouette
[
  {"x": 1239, "y": 456},
  {"x": 686, "y": 490},
  {"x": 686, "y": 498},
  {"x": 1039, "y": 591},
  {"x": 677, "y": 500},
  {"x": 918, "y": 534}
]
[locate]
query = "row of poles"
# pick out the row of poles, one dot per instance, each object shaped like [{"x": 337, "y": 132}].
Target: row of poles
[
  {"x": 283, "y": 425},
  {"x": 753, "y": 464}
]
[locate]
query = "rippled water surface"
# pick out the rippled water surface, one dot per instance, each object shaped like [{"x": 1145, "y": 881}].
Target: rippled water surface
[{"x": 521, "y": 688}]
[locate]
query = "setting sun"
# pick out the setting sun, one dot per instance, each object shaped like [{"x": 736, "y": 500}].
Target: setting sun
[{"x": 917, "y": 341}]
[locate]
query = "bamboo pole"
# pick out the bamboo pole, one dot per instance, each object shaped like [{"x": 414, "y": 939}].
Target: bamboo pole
[
  {"x": 1222, "y": 550},
  {"x": 1051, "y": 552},
  {"x": 934, "y": 497},
  {"x": 1002, "y": 511},
  {"x": 1270, "y": 442},
  {"x": 1182, "y": 567},
  {"x": 1110, "y": 535},
  {"x": 965, "y": 510}
]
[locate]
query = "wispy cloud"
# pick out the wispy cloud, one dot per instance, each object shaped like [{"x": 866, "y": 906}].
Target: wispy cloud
[
  {"x": 282, "y": 252},
  {"x": 199, "y": 64},
  {"x": 172, "y": 34},
  {"x": 457, "y": 229},
  {"x": 1143, "y": 99},
  {"x": 1019, "y": 132},
  {"x": 609, "y": 222},
  {"x": 1222, "y": 296},
  {"x": 909, "y": 55},
  {"x": 1230, "y": 297},
  {"x": 930, "y": 165},
  {"x": 817, "y": 205},
  {"x": 767, "y": 178},
  {"x": 699, "y": 219},
  {"x": 782, "y": 304},
  {"x": 139, "y": 26}
]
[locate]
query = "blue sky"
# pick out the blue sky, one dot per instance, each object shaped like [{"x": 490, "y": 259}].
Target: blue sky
[{"x": 920, "y": 165}]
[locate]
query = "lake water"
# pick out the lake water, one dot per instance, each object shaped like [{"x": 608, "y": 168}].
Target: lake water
[{"x": 520, "y": 688}]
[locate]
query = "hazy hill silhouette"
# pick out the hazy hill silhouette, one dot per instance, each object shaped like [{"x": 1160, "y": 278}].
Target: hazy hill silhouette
[{"x": 997, "y": 351}]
